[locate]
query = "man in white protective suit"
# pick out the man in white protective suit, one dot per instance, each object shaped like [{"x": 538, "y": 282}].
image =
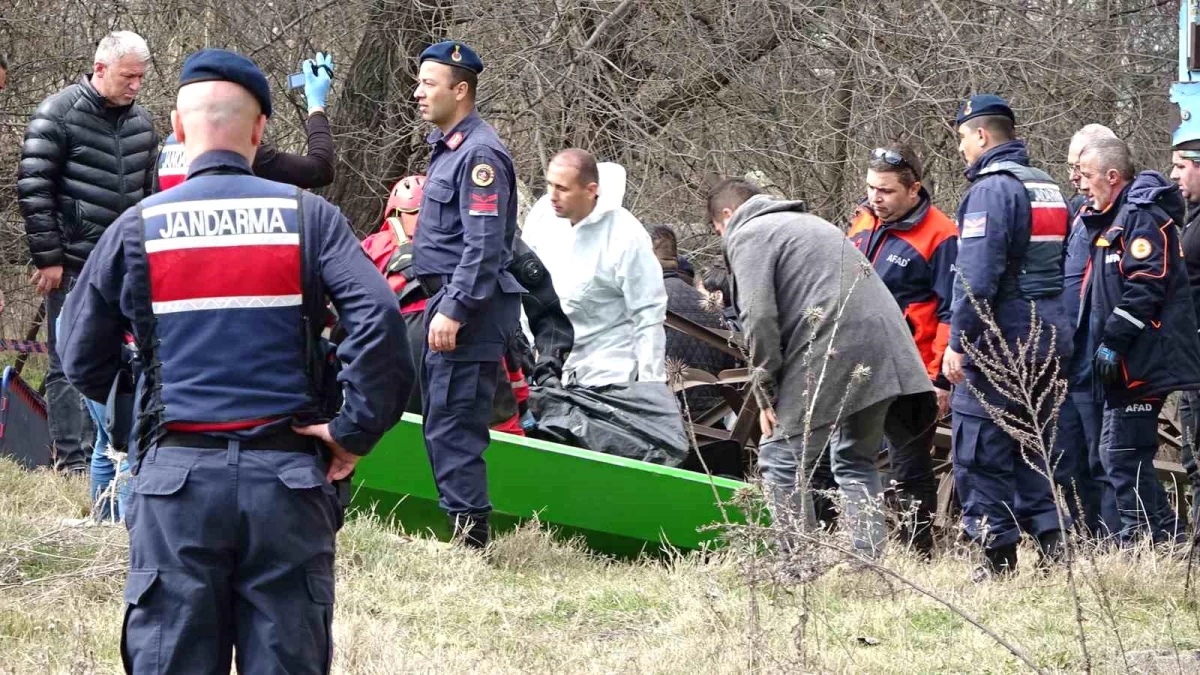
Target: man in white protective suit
[{"x": 604, "y": 270}]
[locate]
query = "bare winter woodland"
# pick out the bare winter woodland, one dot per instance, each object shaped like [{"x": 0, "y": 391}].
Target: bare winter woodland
[{"x": 676, "y": 90}]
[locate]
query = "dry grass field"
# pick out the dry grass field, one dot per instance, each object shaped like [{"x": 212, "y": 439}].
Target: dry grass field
[{"x": 410, "y": 604}]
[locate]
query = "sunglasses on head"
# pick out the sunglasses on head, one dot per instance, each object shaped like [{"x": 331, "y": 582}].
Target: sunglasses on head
[
  {"x": 890, "y": 156},
  {"x": 893, "y": 158}
]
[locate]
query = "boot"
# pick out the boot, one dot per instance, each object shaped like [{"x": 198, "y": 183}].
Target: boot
[
  {"x": 1001, "y": 562},
  {"x": 1052, "y": 548},
  {"x": 916, "y": 526},
  {"x": 920, "y": 537},
  {"x": 470, "y": 529}
]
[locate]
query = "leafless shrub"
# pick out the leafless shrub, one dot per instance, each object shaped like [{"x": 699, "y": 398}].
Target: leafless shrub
[{"x": 677, "y": 90}]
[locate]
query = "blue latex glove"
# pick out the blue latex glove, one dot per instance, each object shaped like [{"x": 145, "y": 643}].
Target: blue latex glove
[
  {"x": 318, "y": 76},
  {"x": 1107, "y": 364}
]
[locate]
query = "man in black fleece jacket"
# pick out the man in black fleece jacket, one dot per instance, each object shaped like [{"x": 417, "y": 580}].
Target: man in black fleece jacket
[{"x": 309, "y": 171}]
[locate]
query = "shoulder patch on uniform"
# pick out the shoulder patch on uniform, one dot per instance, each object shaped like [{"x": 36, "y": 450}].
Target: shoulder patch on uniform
[
  {"x": 1140, "y": 248},
  {"x": 483, "y": 204},
  {"x": 483, "y": 175},
  {"x": 974, "y": 225}
]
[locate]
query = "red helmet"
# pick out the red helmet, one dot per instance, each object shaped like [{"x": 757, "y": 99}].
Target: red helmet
[
  {"x": 405, "y": 196},
  {"x": 404, "y": 202}
]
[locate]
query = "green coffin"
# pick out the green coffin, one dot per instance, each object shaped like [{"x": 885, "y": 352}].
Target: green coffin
[{"x": 619, "y": 506}]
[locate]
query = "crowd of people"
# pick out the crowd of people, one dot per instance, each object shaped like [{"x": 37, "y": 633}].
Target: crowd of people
[{"x": 202, "y": 270}]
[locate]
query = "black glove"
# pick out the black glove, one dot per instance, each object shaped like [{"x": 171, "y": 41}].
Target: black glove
[
  {"x": 550, "y": 382},
  {"x": 1107, "y": 364},
  {"x": 548, "y": 372}
]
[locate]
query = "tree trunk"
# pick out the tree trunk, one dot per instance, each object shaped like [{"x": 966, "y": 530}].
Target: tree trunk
[{"x": 378, "y": 132}]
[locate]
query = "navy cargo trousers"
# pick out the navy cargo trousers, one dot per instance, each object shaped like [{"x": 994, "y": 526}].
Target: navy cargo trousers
[{"x": 230, "y": 548}]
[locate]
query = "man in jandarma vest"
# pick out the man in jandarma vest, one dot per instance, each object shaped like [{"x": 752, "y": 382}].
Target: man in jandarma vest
[
  {"x": 233, "y": 515},
  {"x": 1012, "y": 224}
]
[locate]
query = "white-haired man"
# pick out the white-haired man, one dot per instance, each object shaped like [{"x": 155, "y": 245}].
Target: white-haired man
[
  {"x": 88, "y": 155},
  {"x": 1090, "y": 496}
]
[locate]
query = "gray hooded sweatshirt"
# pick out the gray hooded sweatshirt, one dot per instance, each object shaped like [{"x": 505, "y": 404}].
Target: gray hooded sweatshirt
[{"x": 792, "y": 274}]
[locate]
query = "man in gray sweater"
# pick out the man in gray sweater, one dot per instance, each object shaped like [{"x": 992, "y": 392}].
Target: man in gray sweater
[{"x": 830, "y": 349}]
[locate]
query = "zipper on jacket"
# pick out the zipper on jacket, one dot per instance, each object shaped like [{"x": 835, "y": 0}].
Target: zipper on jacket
[
  {"x": 120, "y": 160},
  {"x": 873, "y": 245}
]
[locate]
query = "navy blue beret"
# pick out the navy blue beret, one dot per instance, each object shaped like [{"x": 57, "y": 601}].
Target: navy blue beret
[
  {"x": 453, "y": 53},
  {"x": 981, "y": 105},
  {"x": 222, "y": 65}
]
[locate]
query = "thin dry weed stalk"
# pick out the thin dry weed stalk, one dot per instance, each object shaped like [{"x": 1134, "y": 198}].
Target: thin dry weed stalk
[{"x": 1026, "y": 372}]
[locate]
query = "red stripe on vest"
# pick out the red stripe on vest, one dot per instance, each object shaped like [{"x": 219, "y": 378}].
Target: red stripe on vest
[
  {"x": 228, "y": 271},
  {"x": 166, "y": 181},
  {"x": 201, "y": 427},
  {"x": 1050, "y": 222}
]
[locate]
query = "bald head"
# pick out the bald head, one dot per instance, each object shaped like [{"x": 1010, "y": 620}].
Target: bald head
[
  {"x": 216, "y": 115},
  {"x": 581, "y": 161}
]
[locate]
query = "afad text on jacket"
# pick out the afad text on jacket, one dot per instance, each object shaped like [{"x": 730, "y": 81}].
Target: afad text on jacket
[{"x": 1140, "y": 298}]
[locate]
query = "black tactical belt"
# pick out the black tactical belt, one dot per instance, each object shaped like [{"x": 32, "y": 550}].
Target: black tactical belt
[
  {"x": 285, "y": 441},
  {"x": 431, "y": 283}
]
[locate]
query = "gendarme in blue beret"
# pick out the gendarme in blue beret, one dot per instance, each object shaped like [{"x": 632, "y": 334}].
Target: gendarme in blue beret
[
  {"x": 222, "y": 65},
  {"x": 980, "y": 105},
  {"x": 453, "y": 53}
]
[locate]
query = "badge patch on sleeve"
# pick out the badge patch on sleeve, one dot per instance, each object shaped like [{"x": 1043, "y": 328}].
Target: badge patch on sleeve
[
  {"x": 483, "y": 175},
  {"x": 483, "y": 204},
  {"x": 1140, "y": 248},
  {"x": 974, "y": 225}
]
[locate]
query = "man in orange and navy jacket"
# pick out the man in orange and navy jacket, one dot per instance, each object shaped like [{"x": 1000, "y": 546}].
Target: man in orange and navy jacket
[{"x": 913, "y": 247}]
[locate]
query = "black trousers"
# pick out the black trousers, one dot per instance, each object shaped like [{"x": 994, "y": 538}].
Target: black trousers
[{"x": 910, "y": 485}]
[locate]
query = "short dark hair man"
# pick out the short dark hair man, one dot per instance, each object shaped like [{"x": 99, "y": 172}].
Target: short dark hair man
[
  {"x": 912, "y": 245},
  {"x": 88, "y": 155},
  {"x": 1012, "y": 224},
  {"x": 804, "y": 292},
  {"x": 1142, "y": 319},
  {"x": 684, "y": 300},
  {"x": 603, "y": 266},
  {"x": 461, "y": 253}
]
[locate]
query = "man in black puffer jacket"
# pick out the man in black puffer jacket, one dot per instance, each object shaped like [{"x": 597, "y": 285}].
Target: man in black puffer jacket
[{"x": 88, "y": 155}]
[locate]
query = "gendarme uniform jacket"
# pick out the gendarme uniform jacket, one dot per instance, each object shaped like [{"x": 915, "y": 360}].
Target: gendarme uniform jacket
[
  {"x": 221, "y": 262},
  {"x": 465, "y": 235},
  {"x": 1012, "y": 227}
]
